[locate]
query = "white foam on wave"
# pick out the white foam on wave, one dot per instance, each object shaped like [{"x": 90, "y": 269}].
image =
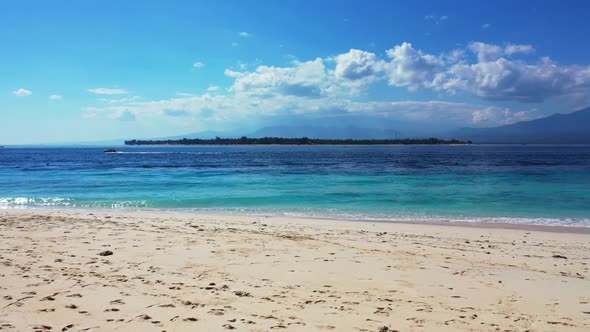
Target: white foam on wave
[
  {"x": 60, "y": 202},
  {"x": 24, "y": 202},
  {"x": 404, "y": 218}
]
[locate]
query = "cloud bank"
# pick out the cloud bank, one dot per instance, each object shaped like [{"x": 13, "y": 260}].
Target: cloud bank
[{"x": 340, "y": 84}]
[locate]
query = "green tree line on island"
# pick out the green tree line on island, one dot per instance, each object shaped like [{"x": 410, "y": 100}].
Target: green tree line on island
[{"x": 294, "y": 141}]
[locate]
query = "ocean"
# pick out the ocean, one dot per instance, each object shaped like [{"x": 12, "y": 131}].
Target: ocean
[{"x": 481, "y": 183}]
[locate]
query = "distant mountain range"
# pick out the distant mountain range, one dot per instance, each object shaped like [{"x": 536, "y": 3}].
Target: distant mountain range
[
  {"x": 325, "y": 132},
  {"x": 572, "y": 128}
]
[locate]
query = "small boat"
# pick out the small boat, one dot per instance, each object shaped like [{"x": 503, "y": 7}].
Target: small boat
[{"x": 110, "y": 151}]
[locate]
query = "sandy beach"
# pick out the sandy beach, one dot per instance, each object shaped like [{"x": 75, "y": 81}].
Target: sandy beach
[{"x": 84, "y": 270}]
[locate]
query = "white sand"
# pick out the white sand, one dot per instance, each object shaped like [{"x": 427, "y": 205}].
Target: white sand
[{"x": 190, "y": 272}]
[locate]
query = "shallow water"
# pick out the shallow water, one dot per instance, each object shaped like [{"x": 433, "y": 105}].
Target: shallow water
[{"x": 519, "y": 184}]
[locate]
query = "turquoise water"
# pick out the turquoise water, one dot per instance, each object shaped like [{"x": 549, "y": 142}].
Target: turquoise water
[{"x": 519, "y": 184}]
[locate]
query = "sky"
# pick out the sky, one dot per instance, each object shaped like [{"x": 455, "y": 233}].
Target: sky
[{"x": 94, "y": 70}]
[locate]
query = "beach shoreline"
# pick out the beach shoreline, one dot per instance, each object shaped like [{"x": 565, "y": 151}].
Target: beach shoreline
[
  {"x": 440, "y": 221},
  {"x": 154, "y": 270}
]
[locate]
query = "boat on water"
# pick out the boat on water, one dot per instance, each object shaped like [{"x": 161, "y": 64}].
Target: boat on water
[{"x": 110, "y": 151}]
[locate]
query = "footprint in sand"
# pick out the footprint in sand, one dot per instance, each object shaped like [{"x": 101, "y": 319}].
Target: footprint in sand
[{"x": 67, "y": 327}]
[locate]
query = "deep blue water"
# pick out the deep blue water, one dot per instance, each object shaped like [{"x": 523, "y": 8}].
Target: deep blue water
[{"x": 533, "y": 184}]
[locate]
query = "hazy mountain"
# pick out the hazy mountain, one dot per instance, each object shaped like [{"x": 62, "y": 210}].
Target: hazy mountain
[
  {"x": 324, "y": 132},
  {"x": 202, "y": 134},
  {"x": 572, "y": 128},
  {"x": 557, "y": 129}
]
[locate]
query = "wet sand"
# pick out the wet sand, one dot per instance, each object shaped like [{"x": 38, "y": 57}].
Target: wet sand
[{"x": 84, "y": 270}]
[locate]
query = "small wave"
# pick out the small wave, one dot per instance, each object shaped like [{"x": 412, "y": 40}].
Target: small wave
[
  {"x": 337, "y": 214},
  {"x": 61, "y": 202},
  {"x": 450, "y": 219},
  {"x": 403, "y": 218},
  {"x": 22, "y": 202}
]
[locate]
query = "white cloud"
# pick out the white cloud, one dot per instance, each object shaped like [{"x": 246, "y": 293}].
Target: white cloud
[
  {"x": 486, "y": 52},
  {"x": 244, "y": 34},
  {"x": 513, "y": 49},
  {"x": 504, "y": 79},
  {"x": 239, "y": 108},
  {"x": 498, "y": 116},
  {"x": 22, "y": 92},
  {"x": 303, "y": 79},
  {"x": 411, "y": 68},
  {"x": 231, "y": 73},
  {"x": 441, "y": 112},
  {"x": 55, "y": 97},
  {"x": 453, "y": 56},
  {"x": 107, "y": 91},
  {"x": 198, "y": 65},
  {"x": 357, "y": 64},
  {"x": 334, "y": 85}
]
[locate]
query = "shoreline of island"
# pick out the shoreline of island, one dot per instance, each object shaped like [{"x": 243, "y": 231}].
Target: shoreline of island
[{"x": 294, "y": 141}]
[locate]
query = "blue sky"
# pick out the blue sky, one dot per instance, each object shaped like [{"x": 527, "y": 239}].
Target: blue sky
[{"x": 93, "y": 70}]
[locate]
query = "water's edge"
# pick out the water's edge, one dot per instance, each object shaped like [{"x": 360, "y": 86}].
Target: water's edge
[{"x": 484, "y": 223}]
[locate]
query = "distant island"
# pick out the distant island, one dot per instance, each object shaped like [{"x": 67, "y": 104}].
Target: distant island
[{"x": 294, "y": 141}]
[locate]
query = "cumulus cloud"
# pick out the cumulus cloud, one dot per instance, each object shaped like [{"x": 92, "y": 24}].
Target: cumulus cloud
[
  {"x": 245, "y": 34},
  {"x": 198, "y": 65},
  {"x": 304, "y": 79},
  {"x": 107, "y": 91},
  {"x": 494, "y": 76},
  {"x": 357, "y": 64},
  {"x": 486, "y": 52},
  {"x": 411, "y": 68},
  {"x": 504, "y": 79},
  {"x": 55, "y": 97},
  {"x": 232, "y": 73},
  {"x": 22, "y": 92}
]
